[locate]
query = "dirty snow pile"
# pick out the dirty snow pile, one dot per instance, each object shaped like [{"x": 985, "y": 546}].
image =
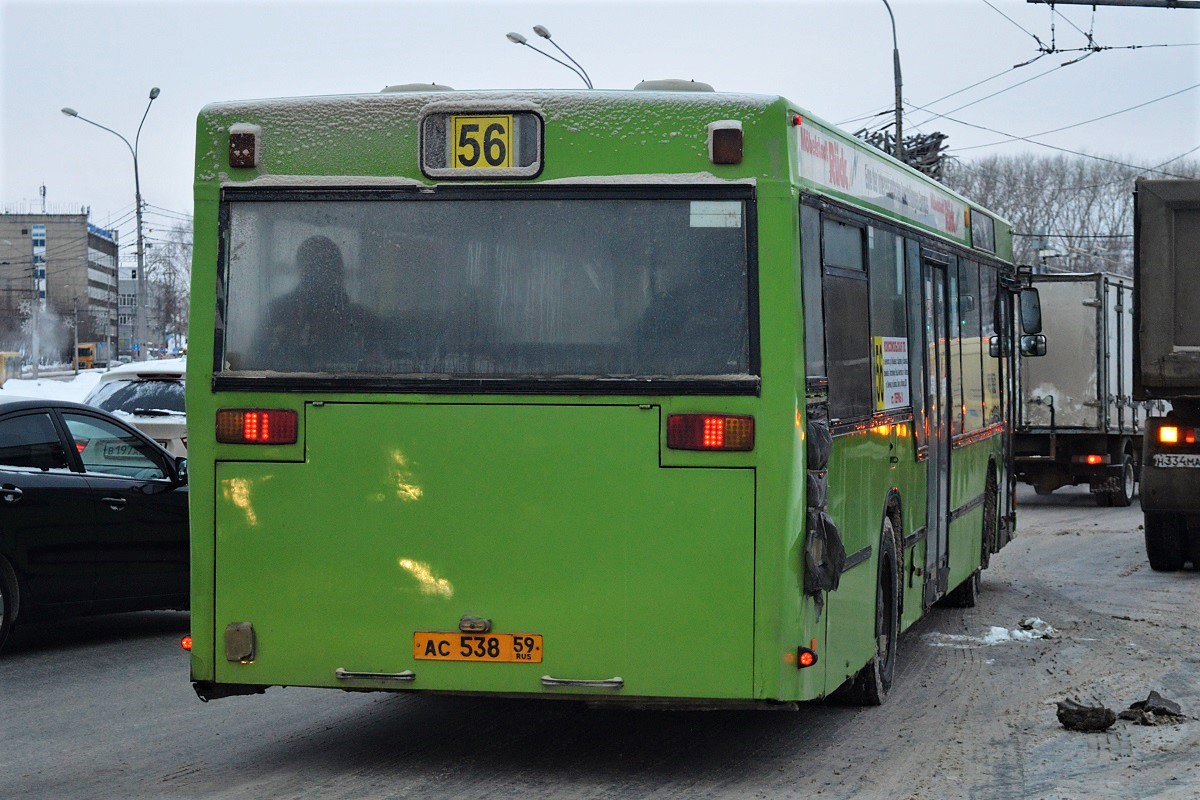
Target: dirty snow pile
[{"x": 1030, "y": 628}]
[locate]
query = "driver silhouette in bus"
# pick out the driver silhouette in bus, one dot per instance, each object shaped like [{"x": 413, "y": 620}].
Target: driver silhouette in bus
[{"x": 317, "y": 327}]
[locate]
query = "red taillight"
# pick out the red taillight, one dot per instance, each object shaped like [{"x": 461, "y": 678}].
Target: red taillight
[
  {"x": 186, "y": 642},
  {"x": 1094, "y": 459},
  {"x": 710, "y": 432},
  {"x": 256, "y": 426},
  {"x": 805, "y": 657}
]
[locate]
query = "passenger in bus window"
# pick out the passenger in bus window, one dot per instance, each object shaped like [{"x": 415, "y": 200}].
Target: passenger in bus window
[{"x": 317, "y": 327}]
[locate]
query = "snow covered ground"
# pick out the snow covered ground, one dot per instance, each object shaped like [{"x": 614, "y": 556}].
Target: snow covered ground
[{"x": 70, "y": 387}]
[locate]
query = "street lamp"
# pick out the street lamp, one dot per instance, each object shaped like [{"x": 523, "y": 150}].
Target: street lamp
[
  {"x": 541, "y": 31},
  {"x": 139, "y": 310},
  {"x": 896, "y": 75}
]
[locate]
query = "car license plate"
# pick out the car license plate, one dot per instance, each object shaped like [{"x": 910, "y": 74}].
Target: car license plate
[
  {"x": 117, "y": 450},
  {"x": 1176, "y": 460},
  {"x": 488, "y": 647}
]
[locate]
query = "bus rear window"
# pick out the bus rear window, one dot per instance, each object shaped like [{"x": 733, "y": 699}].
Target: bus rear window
[{"x": 435, "y": 286}]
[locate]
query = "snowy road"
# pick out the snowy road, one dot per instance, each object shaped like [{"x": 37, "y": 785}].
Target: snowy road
[{"x": 102, "y": 708}]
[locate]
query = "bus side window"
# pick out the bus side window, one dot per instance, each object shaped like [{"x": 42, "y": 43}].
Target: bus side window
[
  {"x": 812, "y": 301},
  {"x": 847, "y": 338},
  {"x": 916, "y": 340},
  {"x": 889, "y": 323},
  {"x": 973, "y": 346}
]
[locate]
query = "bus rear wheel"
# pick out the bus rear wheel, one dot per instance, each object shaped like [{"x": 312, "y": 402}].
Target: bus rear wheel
[
  {"x": 1164, "y": 541},
  {"x": 873, "y": 682}
]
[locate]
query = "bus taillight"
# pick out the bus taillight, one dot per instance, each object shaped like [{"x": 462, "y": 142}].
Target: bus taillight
[
  {"x": 710, "y": 432},
  {"x": 256, "y": 426}
]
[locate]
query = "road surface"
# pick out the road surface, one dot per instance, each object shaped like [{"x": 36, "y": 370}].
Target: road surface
[{"x": 102, "y": 708}]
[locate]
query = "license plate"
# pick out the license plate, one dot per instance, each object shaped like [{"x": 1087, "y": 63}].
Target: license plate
[
  {"x": 487, "y": 647},
  {"x": 483, "y": 142},
  {"x": 116, "y": 450},
  {"x": 1176, "y": 460}
]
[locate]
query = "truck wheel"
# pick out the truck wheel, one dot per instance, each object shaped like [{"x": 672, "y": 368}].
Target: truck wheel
[
  {"x": 1123, "y": 495},
  {"x": 1164, "y": 541},
  {"x": 872, "y": 683}
]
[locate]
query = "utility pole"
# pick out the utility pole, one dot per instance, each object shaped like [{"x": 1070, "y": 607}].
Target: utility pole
[
  {"x": 899, "y": 84},
  {"x": 75, "y": 350}
]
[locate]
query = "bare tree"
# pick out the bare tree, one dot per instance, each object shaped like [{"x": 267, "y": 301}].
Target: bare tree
[
  {"x": 169, "y": 277},
  {"x": 1069, "y": 213}
]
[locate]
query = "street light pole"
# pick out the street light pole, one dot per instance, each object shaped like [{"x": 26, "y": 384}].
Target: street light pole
[
  {"x": 517, "y": 38},
  {"x": 899, "y": 83},
  {"x": 139, "y": 309}
]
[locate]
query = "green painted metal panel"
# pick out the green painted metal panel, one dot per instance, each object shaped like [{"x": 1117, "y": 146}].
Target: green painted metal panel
[
  {"x": 680, "y": 572},
  {"x": 554, "y": 520}
]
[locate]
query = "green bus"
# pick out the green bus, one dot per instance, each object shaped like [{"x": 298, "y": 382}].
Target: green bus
[{"x": 662, "y": 395}]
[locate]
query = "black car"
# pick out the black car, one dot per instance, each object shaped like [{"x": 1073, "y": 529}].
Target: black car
[{"x": 93, "y": 515}]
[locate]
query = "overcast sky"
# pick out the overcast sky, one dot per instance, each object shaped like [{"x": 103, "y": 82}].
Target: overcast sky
[{"x": 831, "y": 58}]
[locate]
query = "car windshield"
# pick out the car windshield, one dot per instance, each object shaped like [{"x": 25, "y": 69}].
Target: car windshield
[{"x": 145, "y": 397}]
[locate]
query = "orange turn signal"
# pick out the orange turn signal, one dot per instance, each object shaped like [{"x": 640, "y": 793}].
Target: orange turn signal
[{"x": 1168, "y": 434}]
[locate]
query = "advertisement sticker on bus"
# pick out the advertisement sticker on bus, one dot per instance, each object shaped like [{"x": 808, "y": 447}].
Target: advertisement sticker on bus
[
  {"x": 837, "y": 165},
  {"x": 891, "y": 372}
]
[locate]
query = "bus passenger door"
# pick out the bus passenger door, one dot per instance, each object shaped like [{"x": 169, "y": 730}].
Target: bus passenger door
[{"x": 935, "y": 291}]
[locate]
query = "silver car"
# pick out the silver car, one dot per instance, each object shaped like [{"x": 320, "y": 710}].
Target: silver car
[{"x": 148, "y": 395}]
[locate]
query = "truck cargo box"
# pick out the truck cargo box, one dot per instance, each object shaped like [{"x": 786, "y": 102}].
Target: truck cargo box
[{"x": 1167, "y": 269}]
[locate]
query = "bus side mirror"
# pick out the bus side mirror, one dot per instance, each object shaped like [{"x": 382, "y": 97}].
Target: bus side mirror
[
  {"x": 994, "y": 349},
  {"x": 1033, "y": 344},
  {"x": 1031, "y": 310}
]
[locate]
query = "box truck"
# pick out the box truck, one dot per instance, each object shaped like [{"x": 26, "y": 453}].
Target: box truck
[{"x": 1167, "y": 365}]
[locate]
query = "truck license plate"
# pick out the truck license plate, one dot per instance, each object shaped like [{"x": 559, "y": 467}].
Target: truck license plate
[
  {"x": 520, "y": 648},
  {"x": 1176, "y": 460}
]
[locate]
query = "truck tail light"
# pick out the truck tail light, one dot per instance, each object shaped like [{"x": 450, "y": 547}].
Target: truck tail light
[
  {"x": 256, "y": 426},
  {"x": 710, "y": 432},
  {"x": 1168, "y": 434}
]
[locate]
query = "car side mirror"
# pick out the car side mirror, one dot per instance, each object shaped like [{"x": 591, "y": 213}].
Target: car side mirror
[
  {"x": 1033, "y": 344},
  {"x": 181, "y": 470},
  {"x": 1031, "y": 310}
]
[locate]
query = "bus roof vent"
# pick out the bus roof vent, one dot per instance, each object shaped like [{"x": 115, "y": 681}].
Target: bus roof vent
[
  {"x": 673, "y": 85},
  {"x": 417, "y": 87}
]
